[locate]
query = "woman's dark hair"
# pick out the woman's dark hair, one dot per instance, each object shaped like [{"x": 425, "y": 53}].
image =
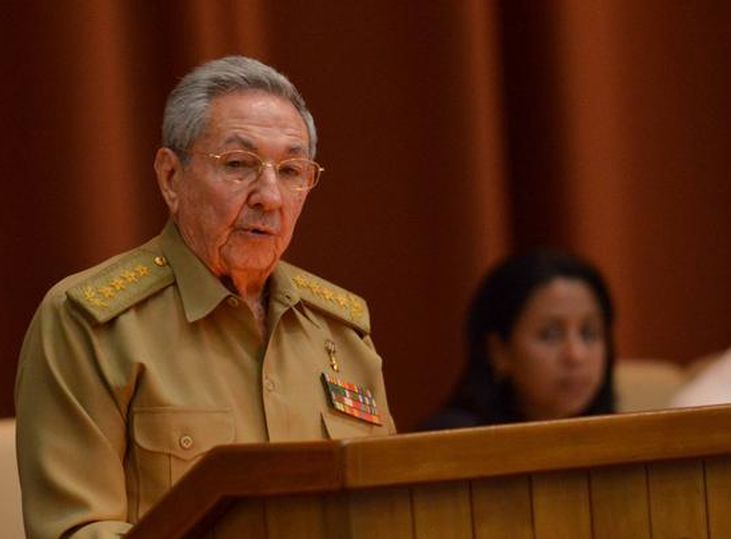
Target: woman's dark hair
[{"x": 496, "y": 307}]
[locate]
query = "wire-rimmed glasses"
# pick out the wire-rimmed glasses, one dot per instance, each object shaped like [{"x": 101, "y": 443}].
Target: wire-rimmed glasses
[{"x": 241, "y": 166}]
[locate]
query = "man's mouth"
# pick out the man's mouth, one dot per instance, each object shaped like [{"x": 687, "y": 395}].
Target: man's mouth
[{"x": 257, "y": 230}]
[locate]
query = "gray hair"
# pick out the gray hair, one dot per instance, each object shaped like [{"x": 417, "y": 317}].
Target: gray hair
[{"x": 186, "y": 110}]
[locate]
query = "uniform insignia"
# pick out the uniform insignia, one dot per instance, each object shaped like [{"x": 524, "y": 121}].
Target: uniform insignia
[
  {"x": 330, "y": 349},
  {"x": 351, "y": 399},
  {"x": 330, "y": 298},
  {"x": 116, "y": 287}
]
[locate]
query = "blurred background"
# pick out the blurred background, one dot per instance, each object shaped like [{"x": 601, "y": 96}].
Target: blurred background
[{"x": 453, "y": 133}]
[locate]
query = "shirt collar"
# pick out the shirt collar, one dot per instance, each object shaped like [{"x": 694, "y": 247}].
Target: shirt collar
[
  {"x": 281, "y": 287},
  {"x": 200, "y": 290},
  {"x": 283, "y": 294}
]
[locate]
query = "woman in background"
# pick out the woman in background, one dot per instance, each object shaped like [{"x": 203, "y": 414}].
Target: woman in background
[{"x": 540, "y": 345}]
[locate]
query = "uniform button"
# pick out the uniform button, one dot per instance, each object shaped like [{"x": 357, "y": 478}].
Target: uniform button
[
  {"x": 160, "y": 261},
  {"x": 186, "y": 442},
  {"x": 233, "y": 302},
  {"x": 269, "y": 384}
]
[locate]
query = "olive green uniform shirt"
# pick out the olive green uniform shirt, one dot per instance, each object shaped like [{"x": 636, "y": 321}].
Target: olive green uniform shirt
[{"x": 131, "y": 370}]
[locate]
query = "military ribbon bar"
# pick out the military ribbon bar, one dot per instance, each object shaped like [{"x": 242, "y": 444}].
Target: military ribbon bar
[{"x": 352, "y": 399}]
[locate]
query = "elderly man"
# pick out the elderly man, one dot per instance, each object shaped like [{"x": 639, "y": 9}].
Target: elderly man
[{"x": 133, "y": 369}]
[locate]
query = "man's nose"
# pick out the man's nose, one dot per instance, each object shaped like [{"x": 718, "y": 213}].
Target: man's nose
[{"x": 266, "y": 190}]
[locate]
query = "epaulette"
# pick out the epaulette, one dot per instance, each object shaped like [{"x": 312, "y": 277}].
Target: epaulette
[
  {"x": 118, "y": 286},
  {"x": 330, "y": 298}
]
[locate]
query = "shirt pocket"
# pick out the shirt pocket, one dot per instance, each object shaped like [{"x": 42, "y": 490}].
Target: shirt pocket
[
  {"x": 168, "y": 441},
  {"x": 340, "y": 426}
]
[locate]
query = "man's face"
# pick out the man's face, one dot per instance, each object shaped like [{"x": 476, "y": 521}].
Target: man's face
[{"x": 237, "y": 228}]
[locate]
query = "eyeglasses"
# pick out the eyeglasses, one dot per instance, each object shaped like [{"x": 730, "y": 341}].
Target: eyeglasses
[{"x": 240, "y": 166}]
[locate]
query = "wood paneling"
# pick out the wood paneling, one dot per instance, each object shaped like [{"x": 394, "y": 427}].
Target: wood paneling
[
  {"x": 564, "y": 444},
  {"x": 602, "y": 477},
  {"x": 442, "y": 511},
  {"x": 380, "y": 513},
  {"x": 561, "y": 506},
  {"x": 677, "y": 500},
  {"x": 295, "y": 516},
  {"x": 718, "y": 496},
  {"x": 502, "y": 508},
  {"x": 619, "y": 502},
  {"x": 245, "y": 515}
]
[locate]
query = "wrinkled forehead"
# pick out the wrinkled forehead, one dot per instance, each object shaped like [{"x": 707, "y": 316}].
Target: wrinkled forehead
[{"x": 233, "y": 115}]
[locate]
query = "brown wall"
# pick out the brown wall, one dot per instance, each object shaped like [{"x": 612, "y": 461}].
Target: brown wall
[{"x": 452, "y": 133}]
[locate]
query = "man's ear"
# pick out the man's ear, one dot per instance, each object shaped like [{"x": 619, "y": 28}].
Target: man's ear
[
  {"x": 168, "y": 170},
  {"x": 497, "y": 351}
]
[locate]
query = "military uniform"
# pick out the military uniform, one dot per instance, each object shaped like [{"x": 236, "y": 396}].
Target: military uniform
[{"x": 131, "y": 370}]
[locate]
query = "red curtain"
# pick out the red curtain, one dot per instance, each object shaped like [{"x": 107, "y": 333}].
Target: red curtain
[{"x": 452, "y": 133}]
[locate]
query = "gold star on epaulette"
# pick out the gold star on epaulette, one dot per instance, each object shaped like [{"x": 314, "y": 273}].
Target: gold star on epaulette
[
  {"x": 116, "y": 287},
  {"x": 129, "y": 276},
  {"x": 117, "y": 283},
  {"x": 328, "y": 298},
  {"x": 345, "y": 301},
  {"x": 356, "y": 308},
  {"x": 92, "y": 298},
  {"x": 107, "y": 291}
]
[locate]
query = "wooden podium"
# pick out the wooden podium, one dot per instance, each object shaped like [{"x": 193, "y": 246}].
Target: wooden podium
[{"x": 656, "y": 475}]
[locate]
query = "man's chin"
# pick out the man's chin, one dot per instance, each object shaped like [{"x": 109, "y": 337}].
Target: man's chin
[
  {"x": 253, "y": 262},
  {"x": 252, "y": 254}
]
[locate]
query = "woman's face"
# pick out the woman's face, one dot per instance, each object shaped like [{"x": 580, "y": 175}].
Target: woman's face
[{"x": 557, "y": 352}]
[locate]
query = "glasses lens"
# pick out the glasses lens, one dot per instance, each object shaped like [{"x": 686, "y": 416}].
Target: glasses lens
[
  {"x": 298, "y": 174},
  {"x": 241, "y": 166}
]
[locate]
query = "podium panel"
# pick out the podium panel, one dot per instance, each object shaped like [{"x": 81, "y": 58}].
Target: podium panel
[{"x": 621, "y": 476}]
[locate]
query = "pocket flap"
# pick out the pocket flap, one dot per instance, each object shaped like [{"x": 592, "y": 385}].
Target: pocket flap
[{"x": 183, "y": 433}]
